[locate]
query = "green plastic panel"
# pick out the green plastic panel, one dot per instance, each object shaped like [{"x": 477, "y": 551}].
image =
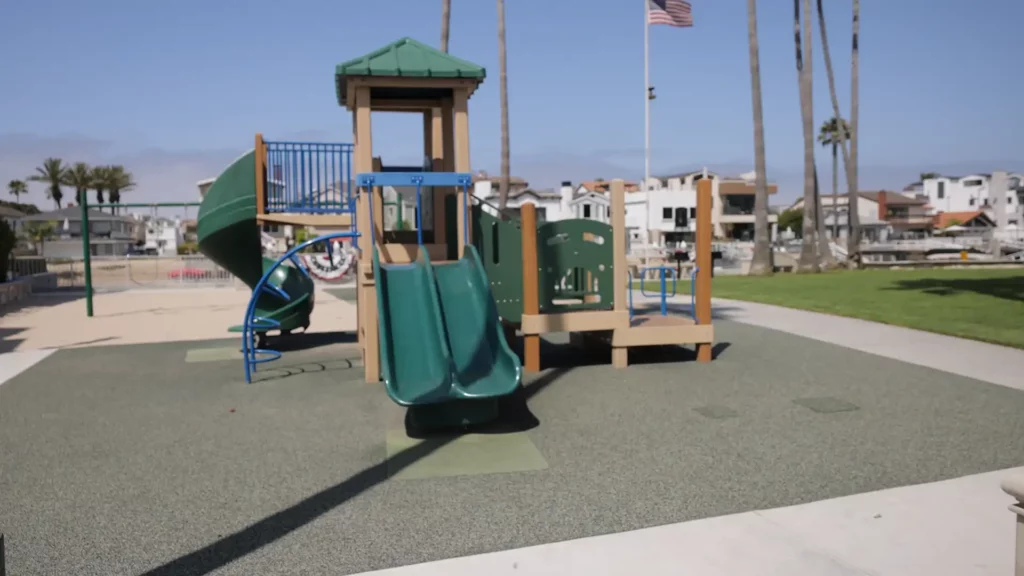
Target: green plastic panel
[
  {"x": 415, "y": 362},
  {"x": 575, "y": 259},
  {"x": 484, "y": 364},
  {"x": 500, "y": 247}
]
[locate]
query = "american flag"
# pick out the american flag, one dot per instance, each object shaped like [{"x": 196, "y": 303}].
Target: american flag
[{"x": 671, "y": 12}]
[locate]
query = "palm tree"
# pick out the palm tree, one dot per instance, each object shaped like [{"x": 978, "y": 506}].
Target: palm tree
[
  {"x": 52, "y": 174},
  {"x": 17, "y": 188},
  {"x": 120, "y": 180},
  {"x": 79, "y": 177},
  {"x": 503, "y": 90},
  {"x": 761, "y": 264},
  {"x": 100, "y": 181},
  {"x": 846, "y": 133},
  {"x": 808, "y": 261},
  {"x": 38, "y": 233},
  {"x": 446, "y": 22},
  {"x": 833, "y": 133}
]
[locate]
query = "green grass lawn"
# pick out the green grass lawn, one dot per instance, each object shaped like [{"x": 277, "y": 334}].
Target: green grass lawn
[{"x": 985, "y": 305}]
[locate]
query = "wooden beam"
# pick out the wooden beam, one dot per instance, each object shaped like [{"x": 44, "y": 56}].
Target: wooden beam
[
  {"x": 582, "y": 321},
  {"x": 704, "y": 264},
  {"x": 260, "y": 154},
  {"x": 461, "y": 111},
  {"x": 620, "y": 356},
  {"x": 367, "y": 293},
  {"x": 531, "y": 288},
  {"x": 469, "y": 84},
  {"x": 435, "y": 151},
  {"x": 406, "y": 253},
  {"x": 316, "y": 220}
]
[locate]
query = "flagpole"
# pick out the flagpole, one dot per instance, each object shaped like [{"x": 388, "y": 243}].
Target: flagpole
[{"x": 647, "y": 122}]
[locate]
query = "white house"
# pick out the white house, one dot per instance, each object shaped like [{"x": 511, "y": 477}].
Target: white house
[
  {"x": 668, "y": 208},
  {"x": 972, "y": 192},
  {"x": 550, "y": 205},
  {"x": 162, "y": 235}
]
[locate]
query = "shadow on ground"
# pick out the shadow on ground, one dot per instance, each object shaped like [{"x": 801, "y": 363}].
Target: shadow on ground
[
  {"x": 1008, "y": 288},
  {"x": 272, "y": 528}
]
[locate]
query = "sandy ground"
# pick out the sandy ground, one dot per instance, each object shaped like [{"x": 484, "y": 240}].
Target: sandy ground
[{"x": 140, "y": 316}]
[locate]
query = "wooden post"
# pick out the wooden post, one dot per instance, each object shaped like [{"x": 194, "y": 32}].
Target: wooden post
[
  {"x": 436, "y": 153},
  {"x": 620, "y": 356},
  {"x": 367, "y": 291},
  {"x": 704, "y": 263},
  {"x": 531, "y": 287},
  {"x": 260, "y": 153},
  {"x": 461, "y": 110}
]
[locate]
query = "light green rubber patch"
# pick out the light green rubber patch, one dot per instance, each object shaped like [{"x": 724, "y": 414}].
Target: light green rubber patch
[
  {"x": 213, "y": 354},
  {"x": 466, "y": 455}
]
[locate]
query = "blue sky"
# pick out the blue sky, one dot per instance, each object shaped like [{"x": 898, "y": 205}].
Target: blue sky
[{"x": 176, "y": 89}]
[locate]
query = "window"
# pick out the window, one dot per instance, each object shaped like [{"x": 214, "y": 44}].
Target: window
[
  {"x": 680, "y": 218},
  {"x": 984, "y": 202},
  {"x": 971, "y": 202},
  {"x": 942, "y": 190},
  {"x": 586, "y": 210},
  {"x": 608, "y": 212},
  {"x": 1009, "y": 199},
  {"x": 693, "y": 212},
  {"x": 972, "y": 183},
  {"x": 666, "y": 213}
]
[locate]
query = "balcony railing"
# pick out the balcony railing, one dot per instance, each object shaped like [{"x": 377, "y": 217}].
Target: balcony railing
[{"x": 309, "y": 177}]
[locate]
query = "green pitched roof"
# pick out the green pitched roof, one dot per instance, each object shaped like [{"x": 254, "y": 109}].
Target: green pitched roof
[{"x": 405, "y": 58}]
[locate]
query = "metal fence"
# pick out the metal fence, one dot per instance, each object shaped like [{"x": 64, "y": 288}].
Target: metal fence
[{"x": 131, "y": 272}]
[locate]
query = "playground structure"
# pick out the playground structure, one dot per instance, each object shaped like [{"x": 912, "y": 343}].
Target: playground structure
[{"x": 437, "y": 305}]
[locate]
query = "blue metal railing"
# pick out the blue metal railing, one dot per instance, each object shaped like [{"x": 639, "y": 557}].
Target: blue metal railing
[
  {"x": 665, "y": 273},
  {"x": 310, "y": 177},
  {"x": 251, "y": 354},
  {"x": 419, "y": 180}
]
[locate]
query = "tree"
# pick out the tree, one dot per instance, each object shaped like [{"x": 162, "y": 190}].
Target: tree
[
  {"x": 119, "y": 180},
  {"x": 833, "y": 133},
  {"x": 808, "y": 261},
  {"x": 17, "y": 188},
  {"x": 929, "y": 175},
  {"x": 849, "y": 156},
  {"x": 506, "y": 170},
  {"x": 38, "y": 233},
  {"x": 792, "y": 219},
  {"x": 79, "y": 177},
  {"x": 100, "y": 180},
  {"x": 8, "y": 241},
  {"x": 761, "y": 264},
  {"x": 446, "y": 22},
  {"x": 51, "y": 173}
]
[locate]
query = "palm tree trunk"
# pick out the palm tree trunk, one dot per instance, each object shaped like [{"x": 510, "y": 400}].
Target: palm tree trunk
[
  {"x": 824, "y": 250},
  {"x": 835, "y": 192},
  {"x": 808, "y": 261},
  {"x": 503, "y": 89},
  {"x": 849, "y": 156},
  {"x": 761, "y": 264},
  {"x": 853, "y": 246},
  {"x": 446, "y": 20}
]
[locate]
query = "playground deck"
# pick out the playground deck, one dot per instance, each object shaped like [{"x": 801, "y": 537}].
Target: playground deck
[{"x": 158, "y": 459}]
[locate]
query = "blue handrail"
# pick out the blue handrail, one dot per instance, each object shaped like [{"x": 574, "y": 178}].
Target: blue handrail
[
  {"x": 664, "y": 272},
  {"x": 251, "y": 355},
  {"x": 419, "y": 180},
  {"x": 693, "y": 294}
]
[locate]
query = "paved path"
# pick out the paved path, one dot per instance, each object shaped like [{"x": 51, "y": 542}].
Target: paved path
[{"x": 988, "y": 362}]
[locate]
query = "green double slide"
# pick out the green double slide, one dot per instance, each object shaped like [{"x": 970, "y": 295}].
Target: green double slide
[
  {"x": 440, "y": 336},
  {"x": 230, "y": 236}
]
